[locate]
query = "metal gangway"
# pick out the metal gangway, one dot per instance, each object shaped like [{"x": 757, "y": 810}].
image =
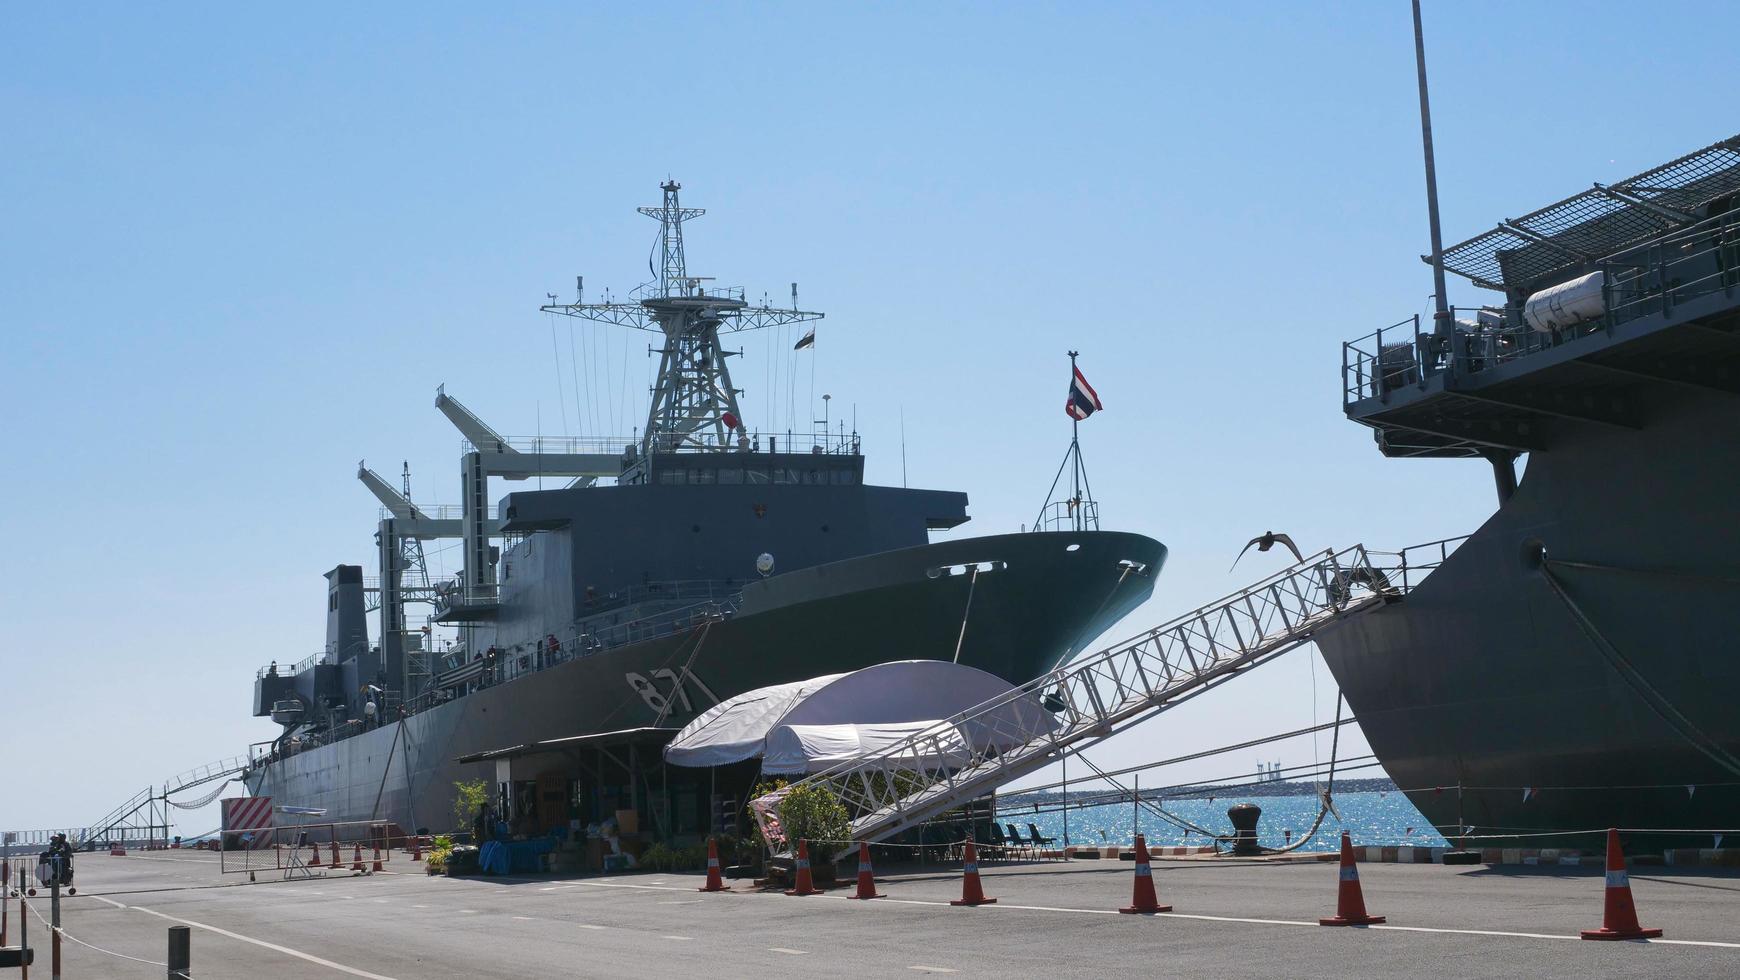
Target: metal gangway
[
  {"x": 1094, "y": 697},
  {"x": 144, "y": 818}
]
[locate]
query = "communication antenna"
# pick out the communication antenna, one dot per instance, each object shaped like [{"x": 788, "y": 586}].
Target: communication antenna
[{"x": 694, "y": 405}]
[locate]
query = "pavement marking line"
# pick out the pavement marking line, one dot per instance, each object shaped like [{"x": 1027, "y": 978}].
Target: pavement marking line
[
  {"x": 1212, "y": 918},
  {"x": 920, "y": 967},
  {"x": 419, "y": 906},
  {"x": 788, "y": 952},
  {"x": 683, "y": 901},
  {"x": 679, "y": 938},
  {"x": 588, "y": 925},
  {"x": 340, "y": 967},
  {"x": 524, "y": 918}
]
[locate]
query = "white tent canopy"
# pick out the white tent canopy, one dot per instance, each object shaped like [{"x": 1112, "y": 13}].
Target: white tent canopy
[
  {"x": 901, "y": 692},
  {"x": 794, "y": 750}
]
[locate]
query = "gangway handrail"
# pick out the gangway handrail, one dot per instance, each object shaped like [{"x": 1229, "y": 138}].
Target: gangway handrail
[{"x": 1095, "y": 697}]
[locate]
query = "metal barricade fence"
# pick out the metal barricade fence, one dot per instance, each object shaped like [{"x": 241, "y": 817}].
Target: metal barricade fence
[{"x": 305, "y": 849}]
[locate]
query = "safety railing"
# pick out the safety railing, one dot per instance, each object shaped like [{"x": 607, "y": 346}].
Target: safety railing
[
  {"x": 1404, "y": 569},
  {"x": 1650, "y": 279},
  {"x": 448, "y": 512},
  {"x": 292, "y": 670},
  {"x": 1069, "y": 515},
  {"x": 205, "y": 774},
  {"x": 564, "y": 445},
  {"x": 1094, "y": 697}
]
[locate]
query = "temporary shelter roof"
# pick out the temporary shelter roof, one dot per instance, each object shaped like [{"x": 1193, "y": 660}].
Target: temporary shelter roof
[
  {"x": 801, "y": 749},
  {"x": 897, "y": 692}
]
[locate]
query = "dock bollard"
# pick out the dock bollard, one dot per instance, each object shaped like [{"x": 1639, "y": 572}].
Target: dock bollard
[
  {"x": 1618, "y": 913},
  {"x": 1349, "y": 900},
  {"x": 1143, "y": 900},
  {"x": 180, "y": 952},
  {"x": 972, "y": 893}
]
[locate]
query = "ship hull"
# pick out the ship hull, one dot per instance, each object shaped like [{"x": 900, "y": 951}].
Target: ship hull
[
  {"x": 1494, "y": 701},
  {"x": 1034, "y": 602}
]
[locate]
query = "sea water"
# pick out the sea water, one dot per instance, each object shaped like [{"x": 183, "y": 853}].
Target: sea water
[{"x": 1373, "y": 819}]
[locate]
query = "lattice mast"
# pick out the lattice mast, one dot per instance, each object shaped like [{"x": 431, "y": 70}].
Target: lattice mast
[{"x": 694, "y": 405}]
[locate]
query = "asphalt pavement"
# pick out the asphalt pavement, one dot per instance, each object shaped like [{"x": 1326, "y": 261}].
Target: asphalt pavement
[{"x": 1052, "y": 919}]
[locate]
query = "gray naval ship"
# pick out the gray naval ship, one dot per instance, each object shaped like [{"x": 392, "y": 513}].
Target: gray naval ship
[
  {"x": 699, "y": 561},
  {"x": 1570, "y": 665}
]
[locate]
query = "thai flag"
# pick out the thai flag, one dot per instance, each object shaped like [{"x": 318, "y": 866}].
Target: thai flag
[{"x": 1083, "y": 400}]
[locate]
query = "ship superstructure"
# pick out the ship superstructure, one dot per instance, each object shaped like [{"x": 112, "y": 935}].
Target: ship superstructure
[
  {"x": 1566, "y": 668},
  {"x": 696, "y": 560}
]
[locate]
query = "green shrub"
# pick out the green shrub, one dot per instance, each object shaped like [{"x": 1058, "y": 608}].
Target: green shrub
[
  {"x": 812, "y": 813},
  {"x": 469, "y": 800},
  {"x": 659, "y": 857}
]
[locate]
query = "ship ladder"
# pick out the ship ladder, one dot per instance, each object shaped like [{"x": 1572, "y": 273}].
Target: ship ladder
[{"x": 1099, "y": 695}]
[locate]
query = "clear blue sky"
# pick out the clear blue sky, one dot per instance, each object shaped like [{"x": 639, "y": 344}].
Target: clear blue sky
[{"x": 241, "y": 246}]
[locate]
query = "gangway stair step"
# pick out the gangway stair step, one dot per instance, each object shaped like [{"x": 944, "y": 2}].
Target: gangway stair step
[
  {"x": 116, "y": 819},
  {"x": 1096, "y": 696}
]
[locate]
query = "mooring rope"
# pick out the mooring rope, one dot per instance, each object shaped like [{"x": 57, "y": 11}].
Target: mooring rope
[{"x": 1656, "y": 701}]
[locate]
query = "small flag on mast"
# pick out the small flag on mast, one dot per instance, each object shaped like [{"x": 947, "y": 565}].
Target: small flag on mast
[
  {"x": 807, "y": 340},
  {"x": 1083, "y": 400}
]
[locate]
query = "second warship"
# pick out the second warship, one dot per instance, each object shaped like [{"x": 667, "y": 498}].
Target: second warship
[{"x": 700, "y": 560}]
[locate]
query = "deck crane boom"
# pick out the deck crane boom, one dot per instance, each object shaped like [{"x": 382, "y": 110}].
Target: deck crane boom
[
  {"x": 481, "y": 436},
  {"x": 395, "y": 502}
]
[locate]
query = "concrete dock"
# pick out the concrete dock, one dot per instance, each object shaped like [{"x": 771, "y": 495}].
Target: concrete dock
[{"x": 1053, "y": 919}]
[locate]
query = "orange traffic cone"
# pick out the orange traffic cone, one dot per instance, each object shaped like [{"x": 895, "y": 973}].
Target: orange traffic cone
[
  {"x": 971, "y": 892},
  {"x": 356, "y": 858},
  {"x": 337, "y": 862},
  {"x": 1619, "y": 917},
  {"x": 805, "y": 885},
  {"x": 1144, "y": 901},
  {"x": 313, "y": 855},
  {"x": 866, "y": 875},
  {"x": 377, "y": 864},
  {"x": 715, "y": 882},
  {"x": 1349, "y": 901}
]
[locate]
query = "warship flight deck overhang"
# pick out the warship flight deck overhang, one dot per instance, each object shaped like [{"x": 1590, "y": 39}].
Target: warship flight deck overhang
[{"x": 1610, "y": 296}]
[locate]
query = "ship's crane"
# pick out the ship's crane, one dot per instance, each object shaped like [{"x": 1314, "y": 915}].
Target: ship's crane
[
  {"x": 474, "y": 429},
  {"x": 396, "y": 503}
]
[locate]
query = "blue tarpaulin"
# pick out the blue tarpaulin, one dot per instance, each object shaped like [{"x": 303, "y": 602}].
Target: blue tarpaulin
[{"x": 514, "y": 857}]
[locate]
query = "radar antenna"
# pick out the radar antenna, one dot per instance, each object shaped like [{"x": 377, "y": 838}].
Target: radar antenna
[{"x": 694, "y": 406}]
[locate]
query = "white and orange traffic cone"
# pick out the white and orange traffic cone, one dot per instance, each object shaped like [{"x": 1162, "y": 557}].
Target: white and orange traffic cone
[
  {"x": 313, "y": 855},
  {"x": 337, "y": 862},
  {"x": 1349, "y": 901},
  {"x": 1619, "y": 915},
  {"x": 356, "y": 857},
  {"x": 377, "y": 865},
  {"x": 805, "y": 884},
  {"x": 715, "y": 881},
  {"x": 1144, "y": 901},
  {"x": 972, "y": 893},
  {"x": 866, "y": 874}
]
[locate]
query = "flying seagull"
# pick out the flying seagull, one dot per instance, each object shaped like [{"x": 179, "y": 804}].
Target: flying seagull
[{"x": 1265, "y": 541}]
